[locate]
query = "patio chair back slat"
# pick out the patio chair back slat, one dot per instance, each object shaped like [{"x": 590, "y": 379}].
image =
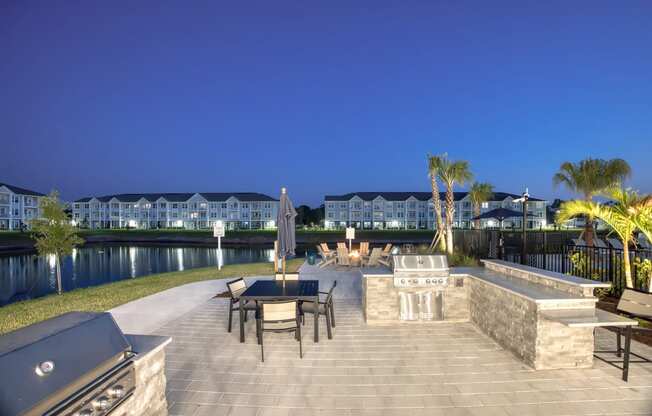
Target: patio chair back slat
[
  {"x": 281, "y": 311},
  {"x": 388, "y": 249},
  {"x": 236, "y": 287},
  {"x": 288, "y": 276},
  {"x": 636, "y": 303},
  {"x": 341, "y": 245}
]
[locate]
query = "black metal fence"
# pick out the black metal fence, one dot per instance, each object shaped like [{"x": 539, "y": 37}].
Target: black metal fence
[{"x": 605, "y": 264}]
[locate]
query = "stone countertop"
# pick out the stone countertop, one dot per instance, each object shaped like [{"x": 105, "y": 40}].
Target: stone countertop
[
  {"x": 563, "y": 278},
  {"x": 587, "y": 318},
  {"x": 521, "y": 287},
  {"x": 144, "y": 345}
]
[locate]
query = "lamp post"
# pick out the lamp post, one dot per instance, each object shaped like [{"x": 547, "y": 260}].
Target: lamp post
[{"x": 523, "y": 200}]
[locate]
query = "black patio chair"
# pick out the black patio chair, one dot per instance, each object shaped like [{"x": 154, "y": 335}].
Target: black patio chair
[
  {"x": 235, "y": 288},
  {"x": 279, "y": 316},
  {"x": 323, "y": 308}
]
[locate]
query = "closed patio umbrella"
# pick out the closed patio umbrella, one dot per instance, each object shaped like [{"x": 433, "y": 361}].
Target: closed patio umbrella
[{"x": 285, "y": 223}]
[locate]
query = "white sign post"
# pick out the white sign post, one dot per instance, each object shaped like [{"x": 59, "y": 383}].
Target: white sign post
[
  {"x": 218, "y": 231},
  {"x": 350, "y": 235}
]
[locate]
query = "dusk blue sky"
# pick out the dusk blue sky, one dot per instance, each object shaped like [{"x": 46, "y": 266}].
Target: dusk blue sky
[{"x": 323, "y": 97}]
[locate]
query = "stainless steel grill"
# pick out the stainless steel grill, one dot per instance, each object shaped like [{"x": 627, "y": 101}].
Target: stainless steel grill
[
  {"x": 77, "y": 364},
  {"x": 416, "y": 270}
]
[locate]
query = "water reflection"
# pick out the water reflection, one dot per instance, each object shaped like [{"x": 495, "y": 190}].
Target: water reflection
[{"x": 28, "y": 276}]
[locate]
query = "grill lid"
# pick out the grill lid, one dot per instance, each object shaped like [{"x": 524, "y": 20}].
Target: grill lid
[
  {"x": 44, "y": 363},
  {"x": 420, "y": 263}
]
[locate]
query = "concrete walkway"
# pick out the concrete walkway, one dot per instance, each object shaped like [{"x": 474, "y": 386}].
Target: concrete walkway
[{"x": 144, "y": 316}]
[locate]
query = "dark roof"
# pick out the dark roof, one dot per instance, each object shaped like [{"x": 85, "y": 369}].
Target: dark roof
[
  {"x": 499, "y": 214},
  {"x": 421, "y": 196},
  {"x": 182, "y": 197},
  {"x": 21, "y": 191}
]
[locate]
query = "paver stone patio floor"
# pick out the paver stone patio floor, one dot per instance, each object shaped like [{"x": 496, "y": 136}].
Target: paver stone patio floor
[{"x": 407, "y": 369}]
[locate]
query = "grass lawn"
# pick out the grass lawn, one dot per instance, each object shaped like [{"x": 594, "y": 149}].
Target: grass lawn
[{"x": 105, "y": 297}]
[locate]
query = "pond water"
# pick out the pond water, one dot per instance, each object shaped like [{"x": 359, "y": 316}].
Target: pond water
[{"x": 27, "y": 276}]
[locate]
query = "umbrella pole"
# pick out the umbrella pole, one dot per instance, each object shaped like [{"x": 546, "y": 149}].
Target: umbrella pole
[{"x": 284, "y": 270}]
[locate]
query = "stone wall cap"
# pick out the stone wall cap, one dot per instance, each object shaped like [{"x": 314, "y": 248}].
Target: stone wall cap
[
  {"x": 546, "y": 274},
  {"x": 534, "y": 292}
]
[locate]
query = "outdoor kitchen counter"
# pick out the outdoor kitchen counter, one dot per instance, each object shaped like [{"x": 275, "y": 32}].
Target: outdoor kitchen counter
[
  {"x": 516, "y": 309},
  {"x": 149, "y": 397},
  {"x": 528, "y": 289},
  {"x": 567, "y": 283}
]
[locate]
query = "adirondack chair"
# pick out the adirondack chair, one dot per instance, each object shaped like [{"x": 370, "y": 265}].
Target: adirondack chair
[
  {"x": 364, "y": 248},
  {"x": 326, "y": 259},
  {"x": 375, "y": 258},
  {"x": 343, "y": 256},
  {"x": 387, "y": 251},
  {"x": 327, "y": 251}
]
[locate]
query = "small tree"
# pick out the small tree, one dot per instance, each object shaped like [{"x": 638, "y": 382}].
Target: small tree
[
  {"x": 629, "y": 212},
  {"x": 53, "y": 232}
]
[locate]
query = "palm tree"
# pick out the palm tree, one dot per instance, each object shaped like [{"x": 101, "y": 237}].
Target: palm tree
[
  {"x": 629, "y": 213},
  {"x": 451, "y": 173},
  {"x": 591, "y": 177},
  {"x": 434, "y": 164},
  {"x": 480, "y": 192}
]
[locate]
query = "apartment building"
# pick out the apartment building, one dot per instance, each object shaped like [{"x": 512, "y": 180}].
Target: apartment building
[
  {"x": 18, "y": 206},
  {"x": 414, "y": 210},
  {"x": 195, "y": 211}
]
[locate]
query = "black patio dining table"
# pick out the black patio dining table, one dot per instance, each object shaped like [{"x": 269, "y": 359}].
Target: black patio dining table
[{"x": 263, "y": 290}]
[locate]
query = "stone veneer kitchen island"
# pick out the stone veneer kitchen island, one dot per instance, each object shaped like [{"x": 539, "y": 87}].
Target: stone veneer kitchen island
[{"x": 523, "y": 309}]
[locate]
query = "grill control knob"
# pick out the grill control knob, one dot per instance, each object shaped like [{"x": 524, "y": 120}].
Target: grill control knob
[
  {"x": 117, "y": 391},
  {"x": 403, "y": 281},
  {"x": 428, "y": 281},
  {"x": 101, "y": 403}
]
